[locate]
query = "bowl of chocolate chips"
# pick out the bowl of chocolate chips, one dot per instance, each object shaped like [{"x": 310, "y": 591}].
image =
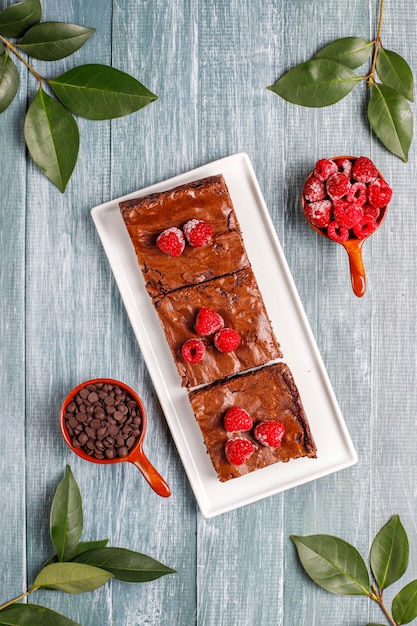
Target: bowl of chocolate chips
[{"x": 104, "y": 421}]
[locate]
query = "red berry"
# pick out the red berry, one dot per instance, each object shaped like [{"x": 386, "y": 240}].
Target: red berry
[
  {"x": 269, "y": 433},
  {"x": 366, "y": 226},
  {"x": 325, "y": 168},
  {"x": 347, "y": 214},
  {"x": 337, "y": 233},
  {"x": 238, "y": 450},
  {"x": 237, "y": 419},
  {"x": 379, "y": 193},
  {"x": 338, "y": 185},
  {"x": 368, "y": 209},
  {"x": 226, "y": 340},
  {"x": 319, "y": 213},
  {"x": 364, "y": 170},
  {"x": 198, "y": 232},
  {"x": 345, "y": 166},
  {"x": 314, "y": 189},
  {"x": 208, "y": 322},
  {"x": 171, "y": 241},
  {"x": 357, "y": 194},
  {"x": 193, "y": 350}
]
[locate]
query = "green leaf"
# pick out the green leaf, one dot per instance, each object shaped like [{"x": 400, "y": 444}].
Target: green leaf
[
  {"x": 33, "y": 615},
  {"x": 52, "y": 138},
  {"x": 72, "y": 577},
  {"x": 9, "y": 81},
  {"x": 395, "y": 72},
  {"x": 125, "y": 564},
  {"x": 99, "y": 92},
  {"x": 18, "y": 18},
  {"x": 389, "y": 553},
  {"x": 66, "y": 519},
  {"x": 333, "y": 564},
  {"x": 391, "y": 119},
  {"x": 404, "y": 605},
  {"x": 50, "y": 41},
  {"x": 84, "y": 546},
  {"x": 317, "y": 83},
  {"x": 350, "y": 51},
  {"x": 374, "y": 624}
]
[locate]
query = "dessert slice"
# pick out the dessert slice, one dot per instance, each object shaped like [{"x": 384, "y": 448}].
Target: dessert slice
[
  {"x": 279, "y": 432},
  {"x": 213, "y": 250},
  {"x": 244, "y": 339}
]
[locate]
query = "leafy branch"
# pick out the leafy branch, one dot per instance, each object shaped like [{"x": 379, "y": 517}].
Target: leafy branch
[
  {"x": 338, "y": 567},
  {"x": 92, "y": 91},
  {"x": 329, "y": 76},
  {"x": 77, "y": 567}
]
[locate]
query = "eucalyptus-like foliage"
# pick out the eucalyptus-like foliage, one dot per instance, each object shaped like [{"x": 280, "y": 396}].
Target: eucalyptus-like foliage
[
  {"x": 338, "y": 567},
  {"x": 78, "y": 566},
  {"x": 329, "y": 76},
  {"x": 93, "y": 91}
]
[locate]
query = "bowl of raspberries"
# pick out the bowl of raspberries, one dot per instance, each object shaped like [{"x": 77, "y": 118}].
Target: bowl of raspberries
[{"x": 345, "y": 199}]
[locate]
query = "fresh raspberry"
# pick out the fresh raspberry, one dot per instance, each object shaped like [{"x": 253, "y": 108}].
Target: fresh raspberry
[
  {"x": 193, "y": 350},
  {"x": 226, "y": 340},
  {"x": 237, "y": 419},
  {"x": 269, "y": 433},
  {"x": 171, "y": 241},
  {"x": 198, "y": 232},
  {"x": 347, "y": 214},
  {"x": 337, "y": 233},
  {"x": 368, "y": 209},
  {"x": 337, "y": 186},
  {"x": 208, "y": 322},
  {"x": 345, "y": 166},
  {"x": 379, "y": 193},
  {"x": 319, "y": 213},
  {"x": 366, "y": 226},
  {"x": 357, "y": 194},
  {"x": 238, "y": 450},
  {"x": 364, "y": 170},
  {"x": 325, "y": 168},
  {"x": 314, "y": 189}
]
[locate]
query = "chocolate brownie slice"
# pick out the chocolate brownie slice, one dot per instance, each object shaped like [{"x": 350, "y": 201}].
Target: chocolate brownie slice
[
  {"x": 268, "y": 393},
  {"x": 236, "y": 297},
  {"x": 207, "y": 199}
]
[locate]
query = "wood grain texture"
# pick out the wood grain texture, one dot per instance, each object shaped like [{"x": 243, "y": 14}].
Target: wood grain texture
[{"x": 63, "y": 321}]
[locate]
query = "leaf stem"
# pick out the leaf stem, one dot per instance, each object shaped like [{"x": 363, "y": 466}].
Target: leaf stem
[
  {"x": 378, "y": 599},
  {"x": 23, "y": 595},
  {"x": 11, "y": 47},
  {"x": 387, "y": 615},
  {"x": 377, "y": 44}
]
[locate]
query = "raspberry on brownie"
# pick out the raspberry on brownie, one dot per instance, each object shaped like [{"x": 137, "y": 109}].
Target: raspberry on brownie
[
  {"x": 237, "y": 299},
  {"x": 268, "y": 394},
  {"x": 205, "y": 211}
]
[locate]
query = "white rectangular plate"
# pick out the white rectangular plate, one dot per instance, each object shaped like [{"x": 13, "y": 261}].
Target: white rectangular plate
[{"x": 335, "y": 450}]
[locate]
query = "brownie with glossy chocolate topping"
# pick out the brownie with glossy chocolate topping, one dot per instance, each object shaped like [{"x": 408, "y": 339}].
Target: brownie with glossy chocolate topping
[
  {"x": 236, "y": 297},
  {"x": 207, "y": 199},
  {"x": 269, "y": 393}
]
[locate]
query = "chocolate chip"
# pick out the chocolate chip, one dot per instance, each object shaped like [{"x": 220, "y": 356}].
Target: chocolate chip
[{"x": 103, "y": 421}]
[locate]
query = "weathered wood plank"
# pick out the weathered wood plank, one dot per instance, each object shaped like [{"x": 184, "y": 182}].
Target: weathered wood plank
[{"x": 12, "y": 353}]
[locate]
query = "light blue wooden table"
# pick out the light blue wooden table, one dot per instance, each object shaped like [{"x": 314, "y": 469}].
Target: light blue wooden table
[{"x": 62, "y": 319}]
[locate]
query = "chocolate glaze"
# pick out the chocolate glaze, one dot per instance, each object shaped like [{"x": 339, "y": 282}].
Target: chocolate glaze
[
  {"x": 266, "y": 394},
  {"x": 206, "y": 199},
  {"x": 237, "y": 299}
]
